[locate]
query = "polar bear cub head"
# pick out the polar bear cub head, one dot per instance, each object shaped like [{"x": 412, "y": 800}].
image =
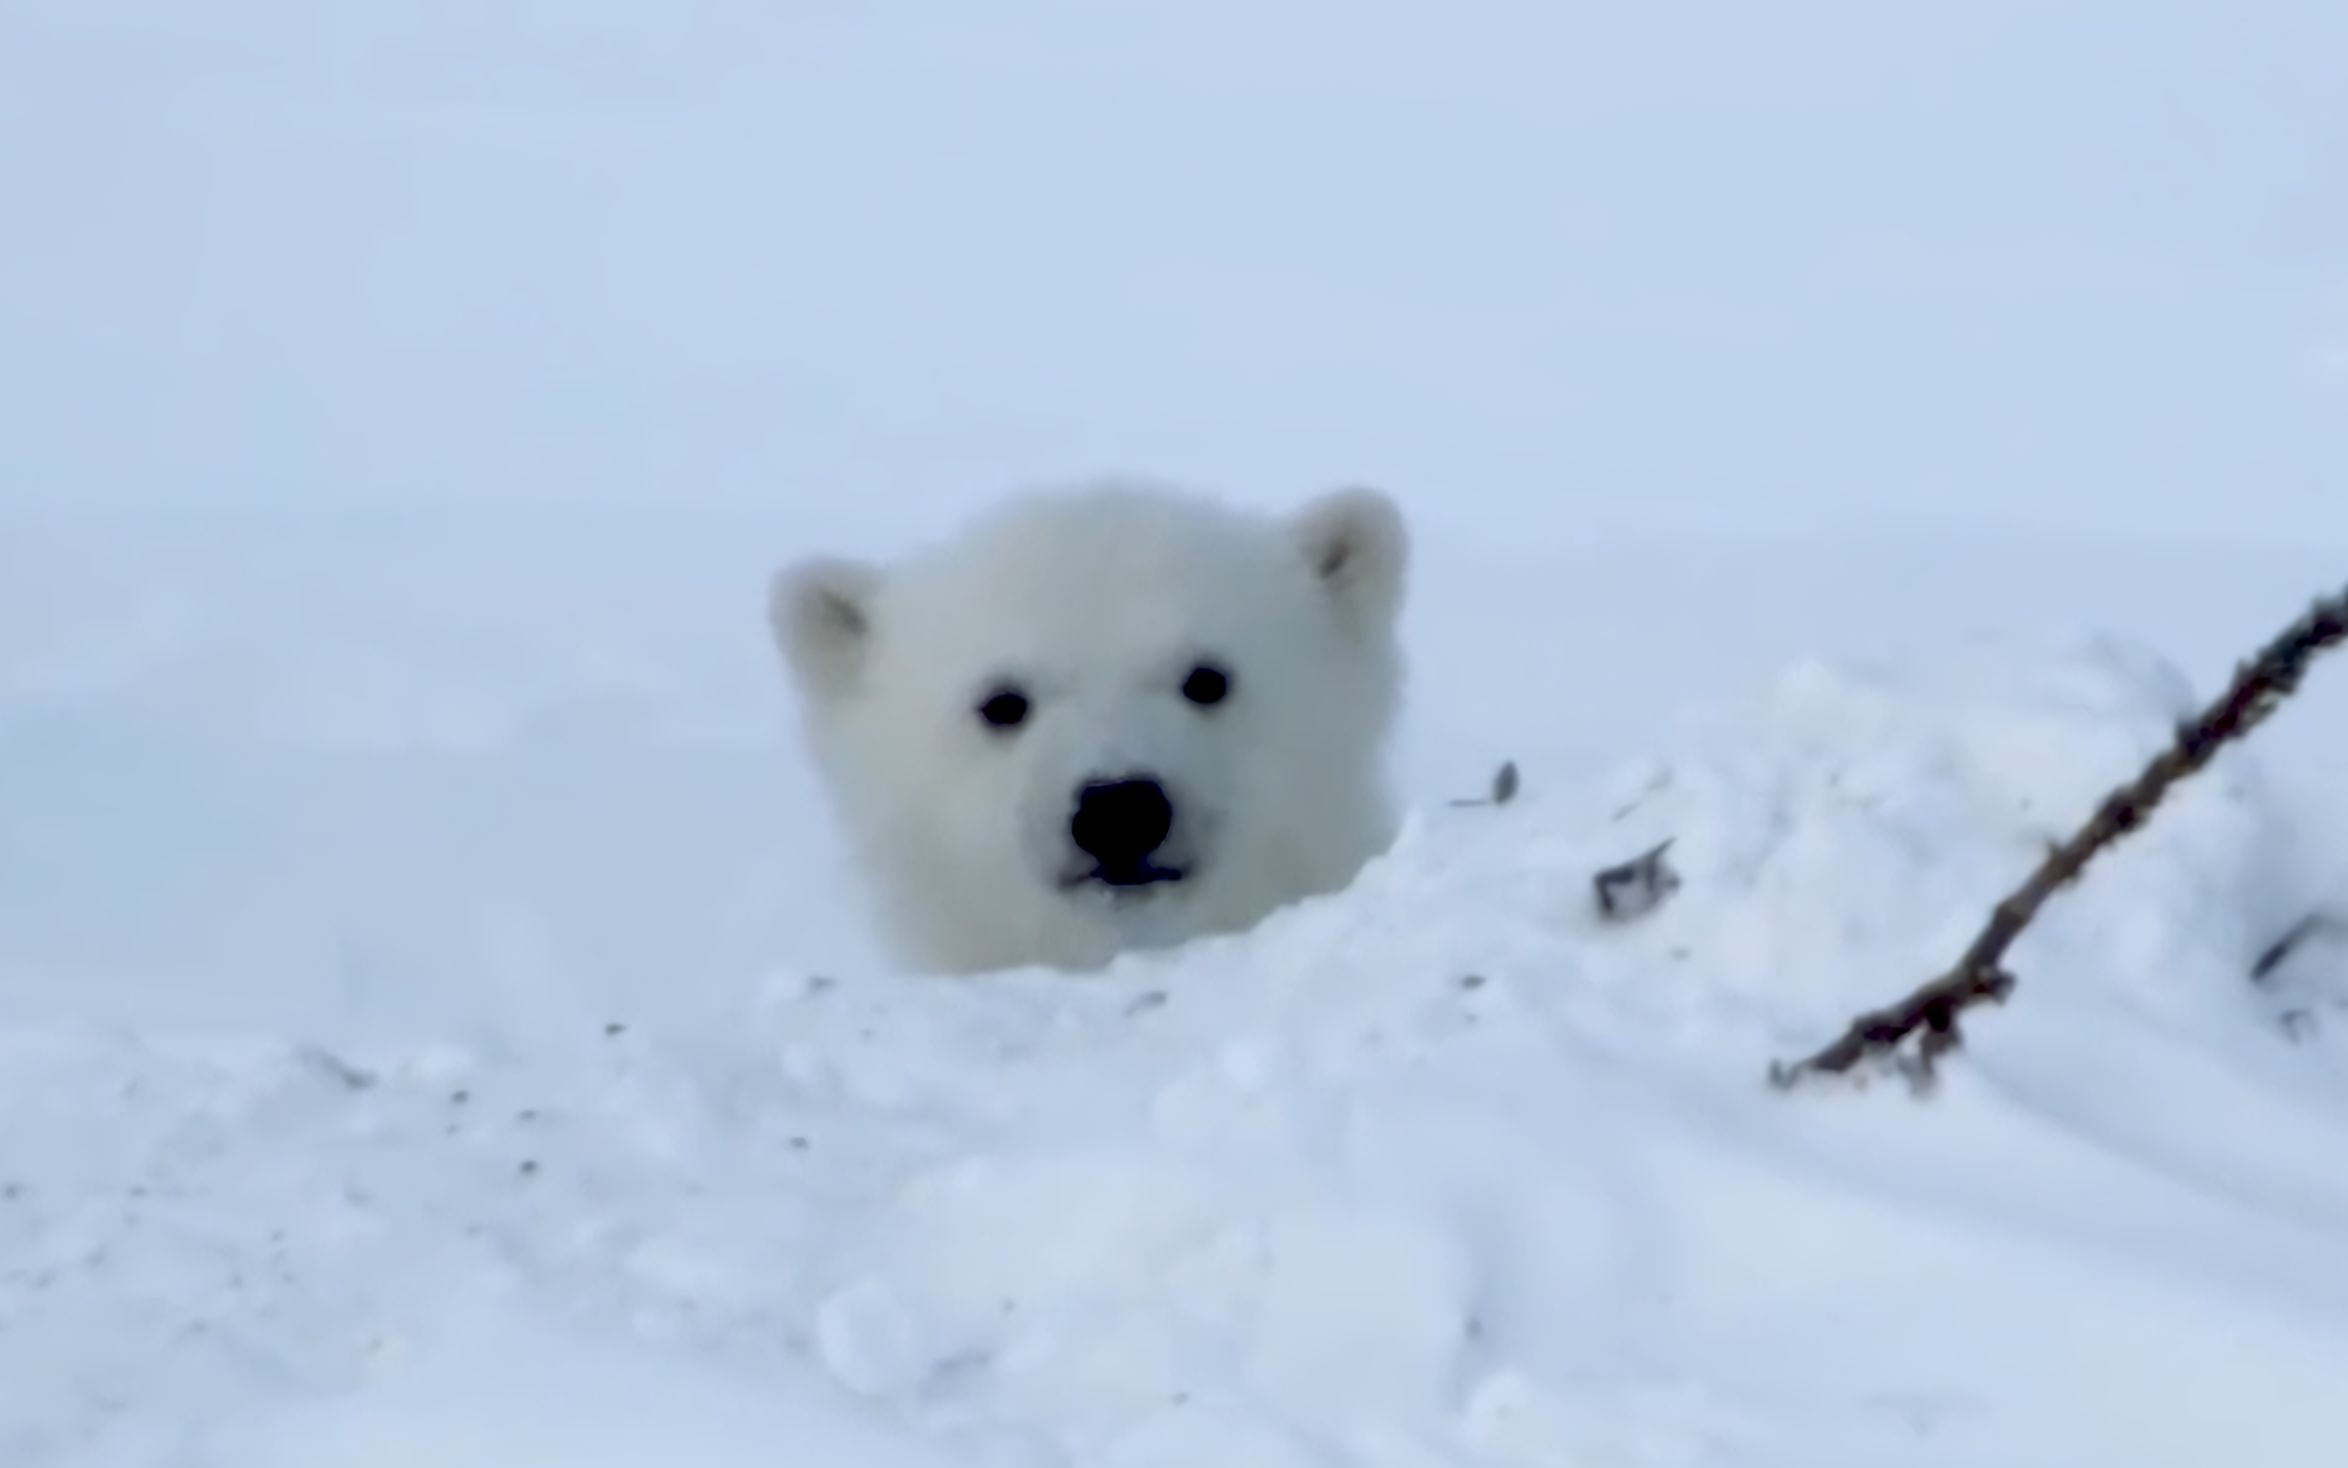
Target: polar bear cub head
[{"x": 1109, "y": 717}]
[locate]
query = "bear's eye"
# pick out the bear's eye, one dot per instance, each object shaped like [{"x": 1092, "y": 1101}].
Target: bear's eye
[
  {"x": 1207, "y": 685},
  {"x": 1005, "y": 708}
]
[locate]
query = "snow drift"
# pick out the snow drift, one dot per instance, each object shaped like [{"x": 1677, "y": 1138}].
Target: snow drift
[{"x": 1445, "y": 1170}]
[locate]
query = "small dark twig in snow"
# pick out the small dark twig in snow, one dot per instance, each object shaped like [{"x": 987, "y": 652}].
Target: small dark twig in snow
[
  {"x": 2315, "y": 924},
  {"x": 1504, "y": 788},
  {"x": 1636, "y": 887},
  {"x": 1930, "y": 1014},
  {"x": 352, "y": 1077}
]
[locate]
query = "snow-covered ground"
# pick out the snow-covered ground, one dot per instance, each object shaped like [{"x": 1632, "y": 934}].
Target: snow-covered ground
[
  {"x": 438, "y": 1031},
  {"x": 435, "y": 1026}
]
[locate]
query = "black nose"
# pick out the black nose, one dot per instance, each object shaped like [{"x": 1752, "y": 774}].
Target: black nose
[{"x": 1118, "y": 823}]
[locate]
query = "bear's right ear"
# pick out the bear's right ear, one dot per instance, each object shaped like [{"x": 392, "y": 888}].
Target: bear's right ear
[
  {"x": 820, "y": 612},
  {"x": 1356, "y": 545}
]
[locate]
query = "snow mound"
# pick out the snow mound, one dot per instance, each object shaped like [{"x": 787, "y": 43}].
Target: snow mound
[{"x": 1448, "y": 1169}]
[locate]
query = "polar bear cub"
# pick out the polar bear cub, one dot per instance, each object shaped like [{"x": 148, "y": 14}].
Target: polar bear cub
[{"x": 1106, "y": 717}]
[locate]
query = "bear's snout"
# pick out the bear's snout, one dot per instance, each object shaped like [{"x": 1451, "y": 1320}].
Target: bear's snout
[{"x": 1120, "y": 824}]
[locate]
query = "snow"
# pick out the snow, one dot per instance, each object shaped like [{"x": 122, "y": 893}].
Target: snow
[
  {"x": 1444, "y": 1170},
  {"x": 436, "y": 1025}
]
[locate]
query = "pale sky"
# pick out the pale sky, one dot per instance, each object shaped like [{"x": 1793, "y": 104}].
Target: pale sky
[{"x": 2079, "y": 262}]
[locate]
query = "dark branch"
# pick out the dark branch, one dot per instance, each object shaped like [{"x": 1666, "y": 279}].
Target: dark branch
[{"x": 1931, "y": 1013}]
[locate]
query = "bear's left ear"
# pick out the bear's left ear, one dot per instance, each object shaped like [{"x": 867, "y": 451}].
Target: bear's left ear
[
  {"x": 820, "y": 612},
  {"x": 1356, "y": 545}
]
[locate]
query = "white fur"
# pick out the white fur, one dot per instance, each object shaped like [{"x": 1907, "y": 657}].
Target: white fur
[{"x": 1098, "y": 601}]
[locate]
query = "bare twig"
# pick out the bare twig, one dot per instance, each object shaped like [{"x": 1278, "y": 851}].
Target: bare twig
[
  {"x": 1504, "y": 787},
  {"x": 1636, "y": 887},
  {"x": 352, "y": 1077},
  {"x": 2315, "y": 925},
  {"x": 1931, "y": 1013}
]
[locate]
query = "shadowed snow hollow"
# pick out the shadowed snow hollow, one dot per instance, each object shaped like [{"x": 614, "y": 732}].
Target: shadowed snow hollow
[{"x": 1444, "y": 1170}]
